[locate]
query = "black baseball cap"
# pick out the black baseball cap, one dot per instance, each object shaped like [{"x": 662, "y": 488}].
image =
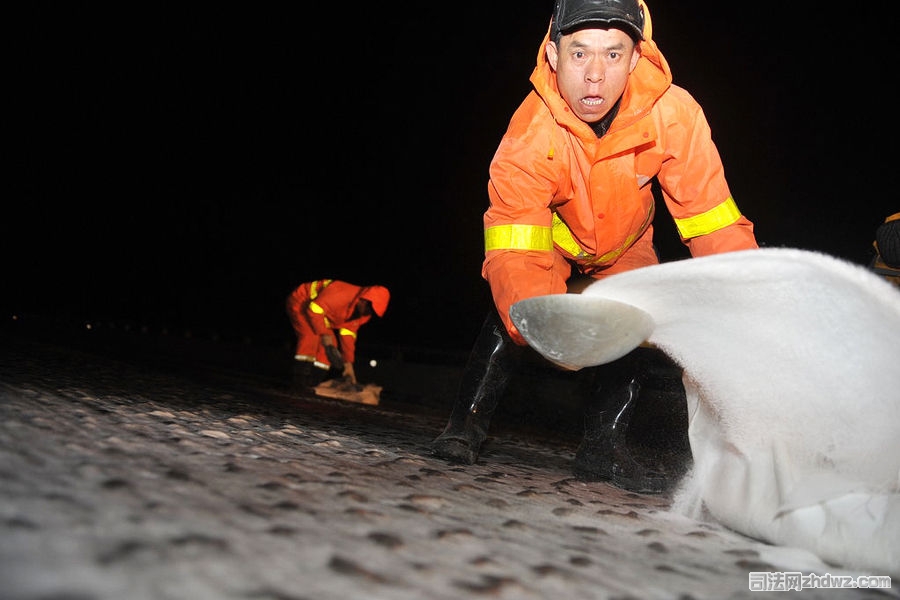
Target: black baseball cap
[{"x": 569, "y": 15}]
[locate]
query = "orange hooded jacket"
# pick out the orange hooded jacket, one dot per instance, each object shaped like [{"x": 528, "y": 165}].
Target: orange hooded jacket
[
  {"x": 325, "y": 306},
  {"x": 561, "y": 196}
]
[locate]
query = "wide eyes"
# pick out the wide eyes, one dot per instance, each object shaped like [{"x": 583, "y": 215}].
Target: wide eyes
[{"x": 613, "y": 55}]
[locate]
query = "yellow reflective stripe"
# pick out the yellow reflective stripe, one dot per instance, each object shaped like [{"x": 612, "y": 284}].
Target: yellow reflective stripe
[
  {"x": 714, "y": 219},
  {"x": 343, "y": 331},
  {"x": 319, "y": 311},
  {"x": 563, "y": 237},
  {"x": 314, "y": 289},
  {"x": 518, "y": 237}
]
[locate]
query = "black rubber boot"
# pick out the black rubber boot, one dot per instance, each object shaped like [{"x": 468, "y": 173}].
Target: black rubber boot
[
  {"x": 604, "y": 454},
  {"x": 485, "y": 378},
  {"x": 305, "y": 375}
]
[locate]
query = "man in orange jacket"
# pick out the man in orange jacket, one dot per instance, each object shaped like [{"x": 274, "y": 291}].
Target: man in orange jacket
[
  {"x": 570, "y": 190},
  {"x": 326, "y": 315}
]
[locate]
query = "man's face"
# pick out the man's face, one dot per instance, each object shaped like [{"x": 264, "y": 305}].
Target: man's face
[
  {"x": 592, "y": 67},
  {"x": 363, "y": 308}
]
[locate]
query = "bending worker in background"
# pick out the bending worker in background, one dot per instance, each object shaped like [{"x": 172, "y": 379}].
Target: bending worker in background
[
  {"x": 326, "y": 315},
  {"x": 570, "y": 189}
]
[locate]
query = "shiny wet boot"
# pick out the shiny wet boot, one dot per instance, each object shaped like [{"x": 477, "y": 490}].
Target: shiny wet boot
[
  {"x": 485, "y": 378},
  {"x": 305, "y": 376},
  {"x": 604, "y": 454}
]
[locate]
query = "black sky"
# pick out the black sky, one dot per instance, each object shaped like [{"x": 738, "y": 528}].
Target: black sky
[{"x": 187, "y": 167}]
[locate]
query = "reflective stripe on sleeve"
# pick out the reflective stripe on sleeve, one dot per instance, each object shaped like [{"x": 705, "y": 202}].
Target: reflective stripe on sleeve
[
  {"x": 313, "y": 307},
  {"x": 518, "y": 237},
  {"x": 714, "y": 219},
  {"x": 318, "y": 286},
  {"x": 343, "y": 331}
]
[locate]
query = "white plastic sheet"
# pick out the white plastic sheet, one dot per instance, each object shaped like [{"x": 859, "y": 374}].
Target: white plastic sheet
[{"x": 791, "y": 363}]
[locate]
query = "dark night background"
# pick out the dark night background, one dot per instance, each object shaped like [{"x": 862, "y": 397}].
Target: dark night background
[{"x": 187, "y": 167}]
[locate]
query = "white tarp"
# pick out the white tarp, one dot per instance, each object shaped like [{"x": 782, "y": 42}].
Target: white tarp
[{"x": 791, "y": 363}]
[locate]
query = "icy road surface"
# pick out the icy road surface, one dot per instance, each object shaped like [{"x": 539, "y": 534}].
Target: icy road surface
[{"x": 127, "y": 476}]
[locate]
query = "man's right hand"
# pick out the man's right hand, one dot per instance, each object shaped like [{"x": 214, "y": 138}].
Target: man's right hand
[{"x": 349, "y": 373}]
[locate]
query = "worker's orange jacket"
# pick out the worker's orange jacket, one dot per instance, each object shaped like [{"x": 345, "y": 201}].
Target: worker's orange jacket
[
  {"x": 325, "y": 306},
  {"x": 562, "y": 197}
]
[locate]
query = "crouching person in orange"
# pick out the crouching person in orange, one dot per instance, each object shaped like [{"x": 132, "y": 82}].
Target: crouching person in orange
[{"x": 326, "y": 315}]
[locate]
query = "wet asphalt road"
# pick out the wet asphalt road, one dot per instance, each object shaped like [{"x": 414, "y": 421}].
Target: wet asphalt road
[{"x": 146, "y": 467}]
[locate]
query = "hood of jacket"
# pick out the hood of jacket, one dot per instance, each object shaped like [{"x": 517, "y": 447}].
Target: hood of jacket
[
  {"x": 649, "y": 80},
  {"x": 379, "y": 296}
]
